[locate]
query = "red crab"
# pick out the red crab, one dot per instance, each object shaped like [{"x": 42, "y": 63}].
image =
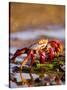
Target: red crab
[{"x": 43, "y": 48}]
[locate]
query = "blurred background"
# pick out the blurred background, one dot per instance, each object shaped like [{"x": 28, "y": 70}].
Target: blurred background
[{"x": 30, "y": 22}]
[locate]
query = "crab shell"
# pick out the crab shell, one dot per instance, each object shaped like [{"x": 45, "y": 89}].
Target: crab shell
[{"x": 41, "y": 44}]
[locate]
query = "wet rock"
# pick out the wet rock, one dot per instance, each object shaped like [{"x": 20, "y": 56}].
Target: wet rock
[
  {"x": 37, "y": 80},
  {"x": 63, "y": 77},
  {"x": 62, "y": 67},
  {"x": 15, "y": 69}
]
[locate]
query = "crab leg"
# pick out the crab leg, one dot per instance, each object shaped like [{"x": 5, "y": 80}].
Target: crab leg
[
  {"x": 18, "y": 53},
  {"x": 57, "y": 45},
  {"x": 30, "y": 54},
  {"x": 51, "y": 54},
  {"x": 32, "y": 57},
  {"x": 42, "y": 57}
]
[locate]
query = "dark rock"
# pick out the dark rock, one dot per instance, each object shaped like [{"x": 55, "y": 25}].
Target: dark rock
[{"x": 15, "y": 69}]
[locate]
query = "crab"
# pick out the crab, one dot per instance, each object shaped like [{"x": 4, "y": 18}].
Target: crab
[{"x": 43, "y": 48}]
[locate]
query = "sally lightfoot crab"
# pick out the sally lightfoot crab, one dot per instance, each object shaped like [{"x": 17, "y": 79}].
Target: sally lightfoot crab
[{"x": 43, "y": 48}]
